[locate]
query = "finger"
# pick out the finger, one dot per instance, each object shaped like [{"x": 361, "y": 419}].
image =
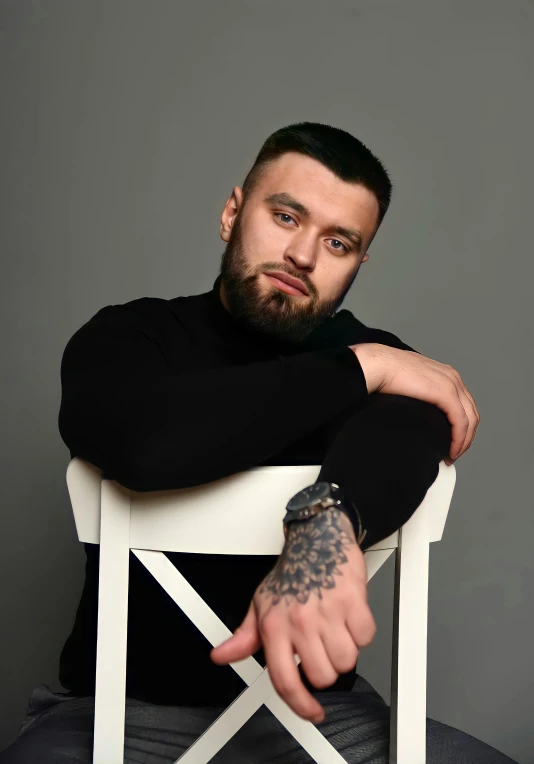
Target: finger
[
  {"x": 244, "y": 642},
  {"x": 315, "y": 660},
  {"x": 285, "y": 677},
  {"x": 466, "y": 391},
  {"x": 451, "y": 404},
  {"x": 469, "y": 406},
  {"x": 470, "y": 398},
  {"x": 361, "y": 626},
  {"x": 476, "y": 415},
  {"x": 473, "y": 404},
  {"x": 470, "y": 411},
  {"x": 340, "y": 647}
]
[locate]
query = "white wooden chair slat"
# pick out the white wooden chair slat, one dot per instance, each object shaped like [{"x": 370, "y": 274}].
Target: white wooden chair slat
[
  {"x": 188, "y": 599},
  {"x": 216, "y": 519},
  {"x": 249, "y": 670},
  {"x": 409, "y": 653},
  {"x": 111, "y": 645}
]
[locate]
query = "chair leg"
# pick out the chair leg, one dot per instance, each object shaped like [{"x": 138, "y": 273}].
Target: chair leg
[
  {"x": 112, "y": 625},
  {"x": 409, "y": 660}
]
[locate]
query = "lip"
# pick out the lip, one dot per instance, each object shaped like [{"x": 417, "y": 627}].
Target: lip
[{"x": 295, "y": 283}]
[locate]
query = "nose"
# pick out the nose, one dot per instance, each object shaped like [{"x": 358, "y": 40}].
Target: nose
[{"x": 300, "y": 263}]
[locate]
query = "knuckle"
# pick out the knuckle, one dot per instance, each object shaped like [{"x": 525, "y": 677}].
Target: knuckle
[
  {"x": 300, "y": 618},
  {"x": 347, "y": 661},
  {"x": 453, "y": 371},
  {"x": 268, "y": 625},
  {"x": 284, "y": 687}
]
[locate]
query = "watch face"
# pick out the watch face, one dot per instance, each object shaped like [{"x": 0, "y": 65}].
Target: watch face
[{"x": 308, "y": 496}]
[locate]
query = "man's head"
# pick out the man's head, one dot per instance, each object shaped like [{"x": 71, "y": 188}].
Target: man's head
[{"x": 309, "y": 208}]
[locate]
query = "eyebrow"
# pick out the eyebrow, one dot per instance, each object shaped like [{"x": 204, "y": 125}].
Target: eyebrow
[{"x": 289, "y": 201}]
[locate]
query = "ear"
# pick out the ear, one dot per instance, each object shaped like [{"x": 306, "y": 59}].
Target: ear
[
  {"x": 365, "y": 258},
  {"x": 231, "y": 208}
]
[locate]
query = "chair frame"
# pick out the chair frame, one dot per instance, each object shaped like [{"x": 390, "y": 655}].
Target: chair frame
[{"x": 151, "y": 523}]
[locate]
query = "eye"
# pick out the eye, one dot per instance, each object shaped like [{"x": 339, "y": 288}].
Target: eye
[
  {"x": 286, "y": 215},
  {"x": 343, "y": 245}
]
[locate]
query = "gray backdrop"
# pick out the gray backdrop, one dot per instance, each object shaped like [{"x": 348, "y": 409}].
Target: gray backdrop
[{"x": 125, "y": 126}]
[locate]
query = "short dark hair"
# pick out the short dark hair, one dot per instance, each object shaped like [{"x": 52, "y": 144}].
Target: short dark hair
[{"x": 343, "y": 154}]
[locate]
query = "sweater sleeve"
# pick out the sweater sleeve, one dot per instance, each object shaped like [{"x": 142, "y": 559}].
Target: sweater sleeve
[
  {"x": 386, "y": 455},
  {"x": 153, "y": 428}
]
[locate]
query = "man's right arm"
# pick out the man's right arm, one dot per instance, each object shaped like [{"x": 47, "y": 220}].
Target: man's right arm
[{"x": 153, "y": 428}]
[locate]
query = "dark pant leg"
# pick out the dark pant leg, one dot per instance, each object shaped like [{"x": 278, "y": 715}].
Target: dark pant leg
[
  {"x": 58, "y": 729},
  {"x": 356, "y": 723}
]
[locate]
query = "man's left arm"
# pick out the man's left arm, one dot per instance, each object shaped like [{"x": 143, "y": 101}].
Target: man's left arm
[{"x": 385, "y": 456}]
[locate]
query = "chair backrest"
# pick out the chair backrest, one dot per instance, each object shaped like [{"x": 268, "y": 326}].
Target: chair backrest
[
  {"x": 242, "y": 514},
  {"x": 238, "y": 514}
]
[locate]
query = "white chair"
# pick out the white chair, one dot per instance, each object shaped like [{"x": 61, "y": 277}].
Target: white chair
[{"x": 150, "y": 523}]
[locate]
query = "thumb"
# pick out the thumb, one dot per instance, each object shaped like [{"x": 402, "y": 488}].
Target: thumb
[{"x": 244, "y": 641}]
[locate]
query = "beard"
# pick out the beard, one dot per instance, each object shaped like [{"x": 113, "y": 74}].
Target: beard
[{"x": 272, "y": 313}]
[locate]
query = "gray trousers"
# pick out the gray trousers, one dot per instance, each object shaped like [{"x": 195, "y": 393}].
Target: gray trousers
[{"x": 58, "y": 729}]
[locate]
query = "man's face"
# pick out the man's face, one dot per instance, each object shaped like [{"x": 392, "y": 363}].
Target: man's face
[{"x": 266, "y": 233}]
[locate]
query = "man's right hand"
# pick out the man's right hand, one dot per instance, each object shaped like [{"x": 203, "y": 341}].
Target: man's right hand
[{"x": 404, "y": 372}]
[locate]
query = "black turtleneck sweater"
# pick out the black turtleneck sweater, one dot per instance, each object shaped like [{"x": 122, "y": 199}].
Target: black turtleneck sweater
[{"x": 163, "y": 394}]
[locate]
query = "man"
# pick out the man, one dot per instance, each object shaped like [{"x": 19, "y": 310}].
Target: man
[{"x": 262, "y": 369}]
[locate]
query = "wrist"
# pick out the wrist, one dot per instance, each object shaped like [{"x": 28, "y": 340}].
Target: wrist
[
  {"x": 323, "y": 499},
  {"x": 345, "y": 516},
  {"x": 320, "y": 526}
]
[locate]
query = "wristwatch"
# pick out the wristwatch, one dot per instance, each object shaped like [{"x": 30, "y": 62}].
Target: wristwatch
[{"x": 319, "y": 497}]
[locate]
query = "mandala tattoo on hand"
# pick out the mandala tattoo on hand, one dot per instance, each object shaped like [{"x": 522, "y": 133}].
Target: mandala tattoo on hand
[{"x": 311, "y": 557}]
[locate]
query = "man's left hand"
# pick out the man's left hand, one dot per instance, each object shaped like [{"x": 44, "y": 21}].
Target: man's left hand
[{"x": 313, "y": 603}]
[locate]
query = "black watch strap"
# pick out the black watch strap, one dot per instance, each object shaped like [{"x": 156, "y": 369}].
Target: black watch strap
[
  {"x": 344, "y": 505},
  {"x": 352, "y": 513}
]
